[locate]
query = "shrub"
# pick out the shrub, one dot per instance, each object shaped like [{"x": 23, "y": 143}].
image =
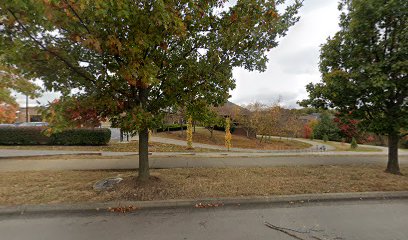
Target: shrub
[
  {"x": 326, "y": 126},
  {"x": 218, "y": 128},
  {"x": 171, "y": 127},
  {"x": 404, "y": 142},
  {"x": 35, "y": 136},
  {"x": 23, "y": 136},
  {"x": 325, "y": 138},
  {"x": 82, "y": 136},
  {"x": 353, "y": 144}
]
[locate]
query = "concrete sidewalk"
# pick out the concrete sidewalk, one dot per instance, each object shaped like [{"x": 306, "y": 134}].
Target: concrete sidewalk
[
  {"x": 12, "y": 153},
  {"x": 131, "y": 162}
]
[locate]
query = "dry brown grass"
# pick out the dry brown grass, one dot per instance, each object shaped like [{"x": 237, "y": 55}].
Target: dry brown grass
[
  {"x": 76, "y": 186},
  {"x": 132, "y": 146},
  {"x": 203, "y": 136}
]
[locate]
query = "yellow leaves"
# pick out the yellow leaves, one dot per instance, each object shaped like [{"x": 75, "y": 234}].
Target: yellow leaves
[
  {"x": 188, "y": 18},
  {"x": 92, "y": 43},
  {"x": 189, "y": 133},
  {"x": 7, "y": 113},
  {"x": 129, "y": 78},
  {"x": 75, "y": 37},
  {"x": 234, "y": 17},
  {"x": 208, "y": 205},
  {"x": 123, "y": 209},
  {"x": 129, "y": 73},
  {"x": 228, "y": 136},
  {"x": 273, "y": 13},
  {"x": 114, "y": 45}
]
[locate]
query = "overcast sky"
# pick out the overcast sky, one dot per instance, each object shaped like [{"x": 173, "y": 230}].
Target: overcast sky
[{"x": 292, "y": 65}]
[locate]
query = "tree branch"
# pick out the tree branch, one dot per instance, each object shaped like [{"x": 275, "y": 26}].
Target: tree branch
[
  {"x": 79, "y": 18},
  {"x": 67, "y": 63}
]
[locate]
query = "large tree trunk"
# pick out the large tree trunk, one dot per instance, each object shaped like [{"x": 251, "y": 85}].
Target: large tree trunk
[
  {"x": 393, "y": 166},
  {"x": 144, "y": 172}
]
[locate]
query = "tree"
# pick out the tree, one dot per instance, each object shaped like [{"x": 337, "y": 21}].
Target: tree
[
  {"x": 7, "y": 113},
  {"x": 291, "y": 124},
  {"x": 189, "y": 137},
  {"x": 135, "y": 59},
  {"x": 71, "y": 112},
  {"x": 326, "y": 127},
  {"x": 12, "y": 80},
  {"x": 228, "y": 136},
  {"x": 364, "y": 69},
  {"x": 272, "y": 120},
  {"x": 307, "y": 131},
  {"x": 246, "y": 122},
  {"x": 353, "y": 144},
  {"x": 264, "y": 119},
  {"x": 210, "y": 119},
  {"x": 348, "y": 127}
]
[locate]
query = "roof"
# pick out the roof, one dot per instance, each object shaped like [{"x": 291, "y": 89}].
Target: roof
[{"x": 230, "y": 109}]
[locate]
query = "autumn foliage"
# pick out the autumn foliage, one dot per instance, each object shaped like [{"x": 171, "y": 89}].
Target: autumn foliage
[
  {"x": 71, "y": 112},
  {"x": 7, "y": 113},
  {"x": 307, "y": 131},
  {"x": 348, "y": 127}
]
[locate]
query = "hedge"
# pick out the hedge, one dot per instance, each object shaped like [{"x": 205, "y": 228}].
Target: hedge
[
  {"x": 171, "y": 127},
  {"x": 35, "y": 136},
  {"x": 218, "y": 128},
  {"x": 404, "y": 142}
]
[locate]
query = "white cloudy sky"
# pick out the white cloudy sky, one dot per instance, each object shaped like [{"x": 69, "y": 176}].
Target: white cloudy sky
[{"x": 292, "y": 65}]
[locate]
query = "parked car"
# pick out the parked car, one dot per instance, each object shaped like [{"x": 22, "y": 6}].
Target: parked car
[
  {"x": 7, "y": 125},
  {"x": 33, "y": 124}
]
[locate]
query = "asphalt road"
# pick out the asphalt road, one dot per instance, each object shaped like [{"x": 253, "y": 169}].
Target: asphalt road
[
  {"x": 371, "y": 220},
  {"x": 131, "y": 162}
]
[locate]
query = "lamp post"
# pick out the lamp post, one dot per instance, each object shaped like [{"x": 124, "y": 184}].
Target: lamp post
[{"x": 26, "y": 108}]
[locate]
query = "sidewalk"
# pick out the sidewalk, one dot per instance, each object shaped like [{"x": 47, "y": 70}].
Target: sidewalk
[
  {"x": 186, "y": 161},
  {"x": 12, "y": 153}
]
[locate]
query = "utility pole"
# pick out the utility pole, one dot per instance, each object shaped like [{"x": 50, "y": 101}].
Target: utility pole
[{"x": 26, "y": 108}]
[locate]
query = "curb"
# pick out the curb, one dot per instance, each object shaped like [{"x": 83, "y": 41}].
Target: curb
[
  {"x": 51, "y": 155},
  {"x": 282, "y": 200}
]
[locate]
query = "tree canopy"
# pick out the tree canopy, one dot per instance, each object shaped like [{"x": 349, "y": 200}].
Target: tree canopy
[
  {"x": 364, "y": 69},
  {"x": 136, "y": 58}
]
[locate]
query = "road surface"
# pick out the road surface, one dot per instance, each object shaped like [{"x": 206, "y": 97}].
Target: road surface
[{"x": 371, "y": 220}]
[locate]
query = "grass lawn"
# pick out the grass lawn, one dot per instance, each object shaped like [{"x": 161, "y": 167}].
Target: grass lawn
[
  {"x": 132, "y": 146},
  {"x": 341, "y": 147},
  {"x": 202, "y": 135},
  {"x": 36, "y": 187}
]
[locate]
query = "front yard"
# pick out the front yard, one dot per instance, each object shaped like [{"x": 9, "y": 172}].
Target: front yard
[{"x": 202, "y": 135}]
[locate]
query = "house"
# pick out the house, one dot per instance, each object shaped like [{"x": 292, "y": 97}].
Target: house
[
  {"x": 230, "y": 109},
  {"x": 311, "y": 117},
  {"x": 34, "y": 114}
]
